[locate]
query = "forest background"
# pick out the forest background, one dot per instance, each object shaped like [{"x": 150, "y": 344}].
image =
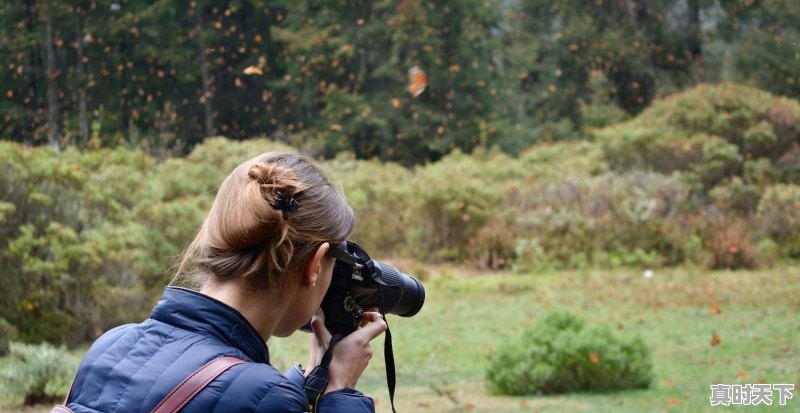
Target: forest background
[{"x": 553, "y": 136}]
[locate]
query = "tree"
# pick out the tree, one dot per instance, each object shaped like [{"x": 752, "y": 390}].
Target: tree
[{"x": 347, "y": 72}]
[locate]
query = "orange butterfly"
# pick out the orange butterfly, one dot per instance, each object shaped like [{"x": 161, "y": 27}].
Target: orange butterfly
[
  {"x": 253, "y": 70},
  {"x": 417, "y": 81}
]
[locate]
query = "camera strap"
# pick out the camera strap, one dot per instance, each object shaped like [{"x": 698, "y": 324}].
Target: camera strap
[
  {"x": 317, "y": 381},
  {"x": 388, "y": 355}
]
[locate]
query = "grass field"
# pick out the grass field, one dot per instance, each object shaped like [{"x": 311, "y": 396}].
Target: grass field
[{"x": 442, "y": 353}]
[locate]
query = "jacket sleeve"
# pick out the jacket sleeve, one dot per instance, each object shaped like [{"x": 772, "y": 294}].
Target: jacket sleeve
[{"x": 343, "y": 400}]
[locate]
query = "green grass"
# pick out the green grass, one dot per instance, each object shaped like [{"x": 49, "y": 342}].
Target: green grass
[{"x": 442, "y": 353}]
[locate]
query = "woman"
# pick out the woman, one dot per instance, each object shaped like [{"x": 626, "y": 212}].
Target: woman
[{"x": 260, "y": 260}]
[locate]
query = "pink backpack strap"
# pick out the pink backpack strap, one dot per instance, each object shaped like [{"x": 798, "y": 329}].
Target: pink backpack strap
[
  {"x": 192, "y": 385},
  {"x": 185, "y": 391}
]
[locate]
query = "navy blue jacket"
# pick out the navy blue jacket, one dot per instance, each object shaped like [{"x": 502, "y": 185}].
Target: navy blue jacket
[{"x": 133, "y": 367}]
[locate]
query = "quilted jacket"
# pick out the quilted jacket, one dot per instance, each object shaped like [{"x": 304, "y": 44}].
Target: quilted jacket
[{"x": 133, "y": 367}]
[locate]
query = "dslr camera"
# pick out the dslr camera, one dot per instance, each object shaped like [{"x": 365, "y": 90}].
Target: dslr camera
[{"x": 359, "y": 282}]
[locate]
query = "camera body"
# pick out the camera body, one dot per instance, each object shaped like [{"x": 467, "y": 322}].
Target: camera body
[{"x": 358, "y": 283}]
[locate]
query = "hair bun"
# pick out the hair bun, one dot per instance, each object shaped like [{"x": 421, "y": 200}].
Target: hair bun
[
  {"x": 273, "y": 178},
  {"x": 267, "y": 174},
  {"x": 277, "y": 185}
]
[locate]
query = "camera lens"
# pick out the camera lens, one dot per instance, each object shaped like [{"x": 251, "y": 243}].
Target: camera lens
[{"x": 404, "y": 296}]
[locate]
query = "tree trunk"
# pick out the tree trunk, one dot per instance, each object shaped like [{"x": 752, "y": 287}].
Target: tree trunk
[
  {"x": 53, "y": 132},
  {"x": 206, "y": 99},
  {"x": 694, "y": 40},
  {"x": 83, "y": 122},
  {"x": 31, "y": 71}
]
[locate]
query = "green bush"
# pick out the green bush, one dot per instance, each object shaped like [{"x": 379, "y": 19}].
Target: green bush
[
  {"x": 612, "y": 219},
  {"x": 710, "y": 130},
  {"x": 562, "y": 353},
  {"x": 379, "y": 196},
  {"x": 779, "y": 217},
  {"x": 708, "y": 176},
  {"x": 454, "y": 199},
  {"x": 37, "y": 373},
  {"x": 8, "y": 333},
  {"x": 729, "y": 239}
]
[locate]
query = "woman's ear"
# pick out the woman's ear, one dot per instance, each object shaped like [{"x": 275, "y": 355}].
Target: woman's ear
[{"x": 314, "y": 265}]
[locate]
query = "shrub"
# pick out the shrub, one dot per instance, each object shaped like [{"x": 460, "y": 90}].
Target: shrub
[
  {"x": 728, "y": 238},
  {"x": 779, "y": 217},
  {"x": 611, "y": 219},
  {"x": 379, "y": 196},
  {"x": 562, "y": 353},
  {"x": 547, "y": 162},
  {"x": 8, "y": 333},
  {"x": 453, "y": 199},
  {"x": 708, "y": 129},
  {"x": 37, "y": 372}
]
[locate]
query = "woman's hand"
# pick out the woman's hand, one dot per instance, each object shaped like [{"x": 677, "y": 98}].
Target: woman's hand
[{"x": 350, "y": 355}]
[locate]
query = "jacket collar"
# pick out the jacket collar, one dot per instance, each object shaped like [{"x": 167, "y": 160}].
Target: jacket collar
[{"x": 199, "y": 313}]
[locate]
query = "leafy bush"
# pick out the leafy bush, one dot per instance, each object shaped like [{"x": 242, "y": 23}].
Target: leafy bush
[
  {"x": 562, "y": 353},
  {"x": 728, "y": 238},
  {"x": 37, "y": 372},
  {"x": 79, "y": 227},
  {"x": 8, "y": 333},
  {"x": 779, "y": 217},
  {"x": 710, "y": 130},
  {"x": 379, "y": 196},
  {"x": 708, "y": 176},
  {"x": 55, "y": 241},
  {"x": 611, "y": 219},
  {"x": 454, "y": 199}
]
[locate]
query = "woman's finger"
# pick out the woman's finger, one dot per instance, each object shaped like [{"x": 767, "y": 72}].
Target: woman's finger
[
  {"x": 374, "y": 327},
  {"x": 364, "y": 321}
]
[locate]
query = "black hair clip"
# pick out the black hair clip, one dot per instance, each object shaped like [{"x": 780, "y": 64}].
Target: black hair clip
[{"x": 285, "y": 203}]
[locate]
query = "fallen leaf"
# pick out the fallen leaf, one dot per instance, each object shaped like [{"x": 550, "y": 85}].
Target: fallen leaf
[
  {"x": 742, "y": 375},
  {"x": 715, "y": 340},
  {"x": 673, "y": 401},
  {"x": 594, "y": 358},
  {"x": 714, "y": 309}
]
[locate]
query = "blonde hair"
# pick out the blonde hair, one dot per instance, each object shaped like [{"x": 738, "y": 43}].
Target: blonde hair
[{"x": 247, "y": 235}]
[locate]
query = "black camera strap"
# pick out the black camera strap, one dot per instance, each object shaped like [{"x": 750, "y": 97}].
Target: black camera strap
[
  {"x": 317, "y": 381},
  {"x": 388, "y": 354}
]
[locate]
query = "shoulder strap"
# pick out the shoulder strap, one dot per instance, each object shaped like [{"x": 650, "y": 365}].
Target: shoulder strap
[
  {"x": 185, "y": 391},
  {"x": 192, "y": 385}
]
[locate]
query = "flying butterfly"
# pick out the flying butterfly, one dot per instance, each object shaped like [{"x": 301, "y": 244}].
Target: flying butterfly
[
  {"x": 417, "y": 81},
  {"x": 253, "y": 70}
]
